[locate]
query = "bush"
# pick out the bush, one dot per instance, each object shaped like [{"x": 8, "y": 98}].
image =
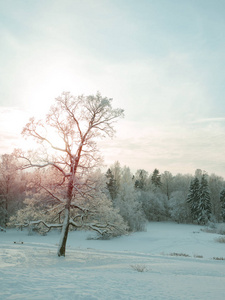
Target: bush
[
  {"x": 179, "y": 254},
  {"x": 139, "y": 268},
  {"x": 221, "y": 229},
  {"x": 220, "y": 239},
  {"x": 198, "y": 256},
  {"x": 215, "y": 228}
]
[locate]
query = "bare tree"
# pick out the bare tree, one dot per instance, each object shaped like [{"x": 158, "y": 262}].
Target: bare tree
[{"x": 71, "y": 129}]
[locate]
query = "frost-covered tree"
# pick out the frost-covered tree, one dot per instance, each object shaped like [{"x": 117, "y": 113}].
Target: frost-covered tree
[
  {"x": 7, "y": 184},
  {"x": 111, "y": 185},
  {"x": 141, "y": 177},
  {"x": 222, "y": 201},
  {"x": 167, "y": 183},
  {"x": 216, "y": 185},
  {"x": 126, "y": 201},
  {"x": 156, "y": 178},
  {"x": 179, "y": 208},
  {"x": 117, "y": 173},
  {"x": 71, "y": 129},
  {"x": 204, "y": 201},
  {"x": 198, "y": 174},
  {"x": 155, "y": 205},
  {"x": 12, "y": 186},
  {"x": 193, "y": 198},
  {"x": 181, "y": 182}
]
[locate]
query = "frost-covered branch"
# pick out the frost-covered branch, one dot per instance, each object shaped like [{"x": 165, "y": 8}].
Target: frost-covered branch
[
  {"x": 30, "y": 165},
  {"x": 51, "y": 194},
  {"x": 32, "y": 223}
]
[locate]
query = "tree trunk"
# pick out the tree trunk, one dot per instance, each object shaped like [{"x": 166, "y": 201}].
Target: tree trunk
[
  {"x": 64, "y": 233},
  {"x": 65, "y": 228}
]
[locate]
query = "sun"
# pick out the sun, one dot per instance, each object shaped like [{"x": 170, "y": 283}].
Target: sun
[
  {"x": 36, "y": 94},
  {"x": 50, "y": 79}
]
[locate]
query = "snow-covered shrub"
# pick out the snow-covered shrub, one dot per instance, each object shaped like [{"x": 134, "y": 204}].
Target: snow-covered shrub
[
  {"x": 221, "y": 229},
  {"x": 220, "y": 239},
  {"x": 216, "y": 228},
  {"x": 212, "y": 223},
  {"x": 179, "y": 254},
  {"x": 139, "y": 268},
  {"x": 218, "y": 258}
]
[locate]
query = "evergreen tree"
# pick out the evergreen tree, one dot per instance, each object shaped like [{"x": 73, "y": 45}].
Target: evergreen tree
[
  {"x": 156, "y": 178},
  {"x": 140, "y": 179},
  {"x": 204, "y": 201},
  {"x": 222, "y": 201},
  {"x": 216, "y": 185},
  {"x": 193, "y": 198},
  {"x": 111, "y": 184}
]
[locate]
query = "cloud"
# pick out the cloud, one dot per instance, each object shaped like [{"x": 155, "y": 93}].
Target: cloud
[{"x": 208, "y": 120}]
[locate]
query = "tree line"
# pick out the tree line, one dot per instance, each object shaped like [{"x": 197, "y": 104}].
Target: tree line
[
  {"x": 181, "y": 198},
  {"x": 120, "y": 198}
]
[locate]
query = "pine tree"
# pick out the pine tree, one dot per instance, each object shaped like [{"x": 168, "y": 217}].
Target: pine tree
[
  {"x": 141, "y": 179},
  {"x": 156, "y": 178},
  {"x": 204, "y": 201},
  {"x": 111, "y": 184},
  {"x": 222, "y": 201},
  {"x": 194, "y": 198}
]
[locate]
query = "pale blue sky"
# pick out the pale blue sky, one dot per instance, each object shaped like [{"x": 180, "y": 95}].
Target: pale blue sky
[{"x": 162, "y": 61}]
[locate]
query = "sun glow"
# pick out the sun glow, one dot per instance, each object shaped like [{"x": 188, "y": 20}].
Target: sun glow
[
  {"x": 54, "y": 74},
  {"x": 37, "y": 94}
]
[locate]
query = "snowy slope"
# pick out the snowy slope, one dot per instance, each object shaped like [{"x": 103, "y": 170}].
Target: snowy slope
[{"x": 95, "y": 269}]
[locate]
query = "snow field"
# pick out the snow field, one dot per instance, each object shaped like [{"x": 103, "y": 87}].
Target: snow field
[{"x": 98, "y": 269}]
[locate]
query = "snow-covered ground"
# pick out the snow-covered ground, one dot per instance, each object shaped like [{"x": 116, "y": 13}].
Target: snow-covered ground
[{"x": 97, "y": 269}]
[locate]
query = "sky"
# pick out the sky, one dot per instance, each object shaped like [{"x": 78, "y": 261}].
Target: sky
[{"x": 161, "y": 61}]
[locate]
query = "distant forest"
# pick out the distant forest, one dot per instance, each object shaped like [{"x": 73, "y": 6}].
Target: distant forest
[{"x": 117, "y": 199}]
